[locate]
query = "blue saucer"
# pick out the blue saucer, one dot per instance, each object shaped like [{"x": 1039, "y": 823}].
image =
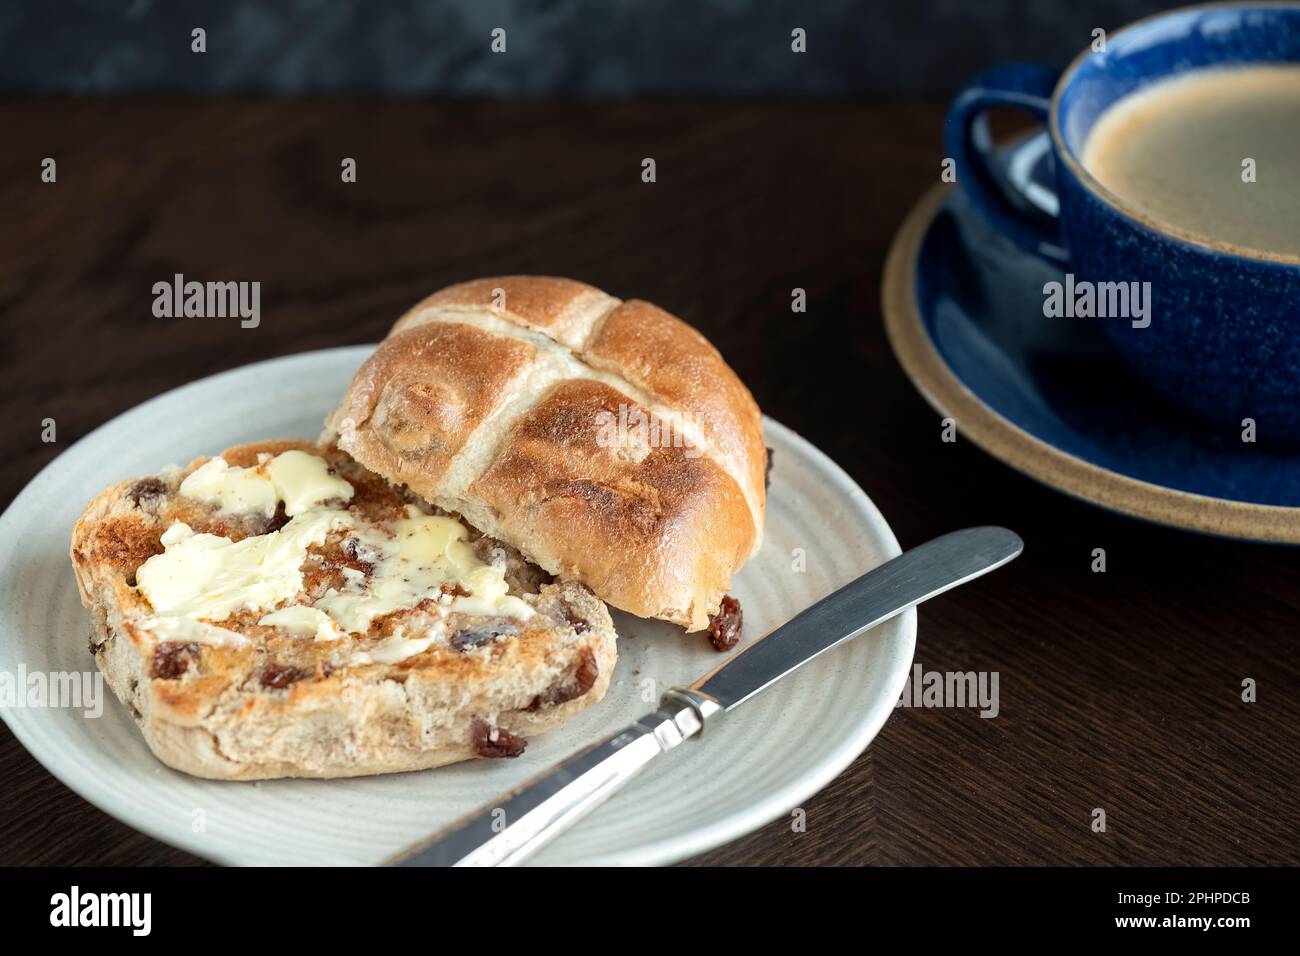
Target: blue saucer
[{"x": 964, "y": 312}]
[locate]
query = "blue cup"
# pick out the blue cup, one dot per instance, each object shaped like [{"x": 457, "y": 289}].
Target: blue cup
[{"x": 1222, "y": 338}]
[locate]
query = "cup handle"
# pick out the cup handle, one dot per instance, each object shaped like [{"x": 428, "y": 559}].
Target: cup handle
[{"x": 968, "y": 142}]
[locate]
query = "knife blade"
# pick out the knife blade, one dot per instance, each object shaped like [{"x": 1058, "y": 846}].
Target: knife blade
[{"x": 519, "y": 823}]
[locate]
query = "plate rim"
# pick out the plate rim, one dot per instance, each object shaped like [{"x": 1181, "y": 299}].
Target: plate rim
[
  {"x": 782, "y": 801},
  {"x": 1026, "y": 453},
  {"x": 668, "y": 850}
]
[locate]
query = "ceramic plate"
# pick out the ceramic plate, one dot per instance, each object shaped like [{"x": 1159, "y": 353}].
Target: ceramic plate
[
  {"x": 963, "y": 310},
  {"x": 766, "y": 758}
]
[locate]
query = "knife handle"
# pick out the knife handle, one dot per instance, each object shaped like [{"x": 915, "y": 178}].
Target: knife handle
[{"x": 519, "y": 824}]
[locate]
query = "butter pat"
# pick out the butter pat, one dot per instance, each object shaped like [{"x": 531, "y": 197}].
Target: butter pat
[
  {"x": 300, "y": 619},
  {"x": 423, "y": 553},
  {"x": 187, "y": 631},
  {"x": 394, "y": 650},
  {"x": 487, "y": 594},
  {"x": 209, "y": 576},
  {"x": 244, "y": 490},
  {"x": 303, "y": 481},
  {"x": 300, "y": 480}
]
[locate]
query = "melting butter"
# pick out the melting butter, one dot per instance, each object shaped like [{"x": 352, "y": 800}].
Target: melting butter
[
  {"x": 202, "y": 578},
  {"x": 487, "y": 589},
  {"x": 188, "y": 631},
  {"x": 303, "y": 481},
  {"x": 301, "y": 619},
  {"x": 417, "y": 556},
  {"x": 209, "y": 576},
  {"x": 396, "y": 649},
  {"x": 300, "y": 480}
]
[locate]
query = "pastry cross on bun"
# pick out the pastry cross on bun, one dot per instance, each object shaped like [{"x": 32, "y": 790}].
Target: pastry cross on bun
[{"x": 607, "y": 440}]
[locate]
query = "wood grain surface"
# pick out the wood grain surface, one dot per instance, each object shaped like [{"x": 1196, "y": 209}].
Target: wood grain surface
[{"x": 1119, "y": 691}]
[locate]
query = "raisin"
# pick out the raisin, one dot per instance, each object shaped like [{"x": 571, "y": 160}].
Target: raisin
[
  {"x": 482, "y": 633},
  {"x": 147, "y": 489},
  {"x": 264, "y": 525},
  {"x": 579, "y": 623},
  {"x": 359, "y": 556},
  {"x": 277, "y": 678},
  {"x": 493, "y": 742},
  {"x": 584, "y": 678},
  {"x": 724, "y": 627},
  {"x": 171, "y": 659},
  {"x": 587, "y": 672},
  {"x": 767, "y": 471}
]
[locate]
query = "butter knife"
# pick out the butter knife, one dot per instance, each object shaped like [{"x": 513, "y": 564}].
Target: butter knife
[{"x": 519, "y": 823}]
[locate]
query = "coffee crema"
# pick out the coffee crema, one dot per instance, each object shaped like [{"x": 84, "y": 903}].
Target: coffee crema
[{"x": 1178, "y": 152}]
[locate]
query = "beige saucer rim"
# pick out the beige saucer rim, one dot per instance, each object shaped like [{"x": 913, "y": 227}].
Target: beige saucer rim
[{"x": 1031, "y": 456}]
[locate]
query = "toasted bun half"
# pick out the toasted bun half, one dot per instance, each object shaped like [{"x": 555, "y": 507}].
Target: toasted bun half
[
  {"x": 608, "y": 441},
  {"x": 276, "y": 703}
]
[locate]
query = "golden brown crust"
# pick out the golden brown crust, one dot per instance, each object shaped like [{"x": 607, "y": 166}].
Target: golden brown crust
[
  {"x": 659, "y": 530},
  {"x": 285, "y": 705},
  {"x": 559, "y": 308},
  {"x": 426, "y": 389},
  {"x": 665, "y": 357},
  {"x": 640, "y": 529}
]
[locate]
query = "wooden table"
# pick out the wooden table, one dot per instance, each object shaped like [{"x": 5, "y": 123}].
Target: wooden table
[{"x": 1118, "y": 691}]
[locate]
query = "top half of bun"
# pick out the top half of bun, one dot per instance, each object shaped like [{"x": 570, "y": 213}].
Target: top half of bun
[{"x": 607, "y": 440}]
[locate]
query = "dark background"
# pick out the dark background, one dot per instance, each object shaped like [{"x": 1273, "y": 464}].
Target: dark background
[
  {"x": 895, "y": 49},
  {"x": 1118, "y": 691}
]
